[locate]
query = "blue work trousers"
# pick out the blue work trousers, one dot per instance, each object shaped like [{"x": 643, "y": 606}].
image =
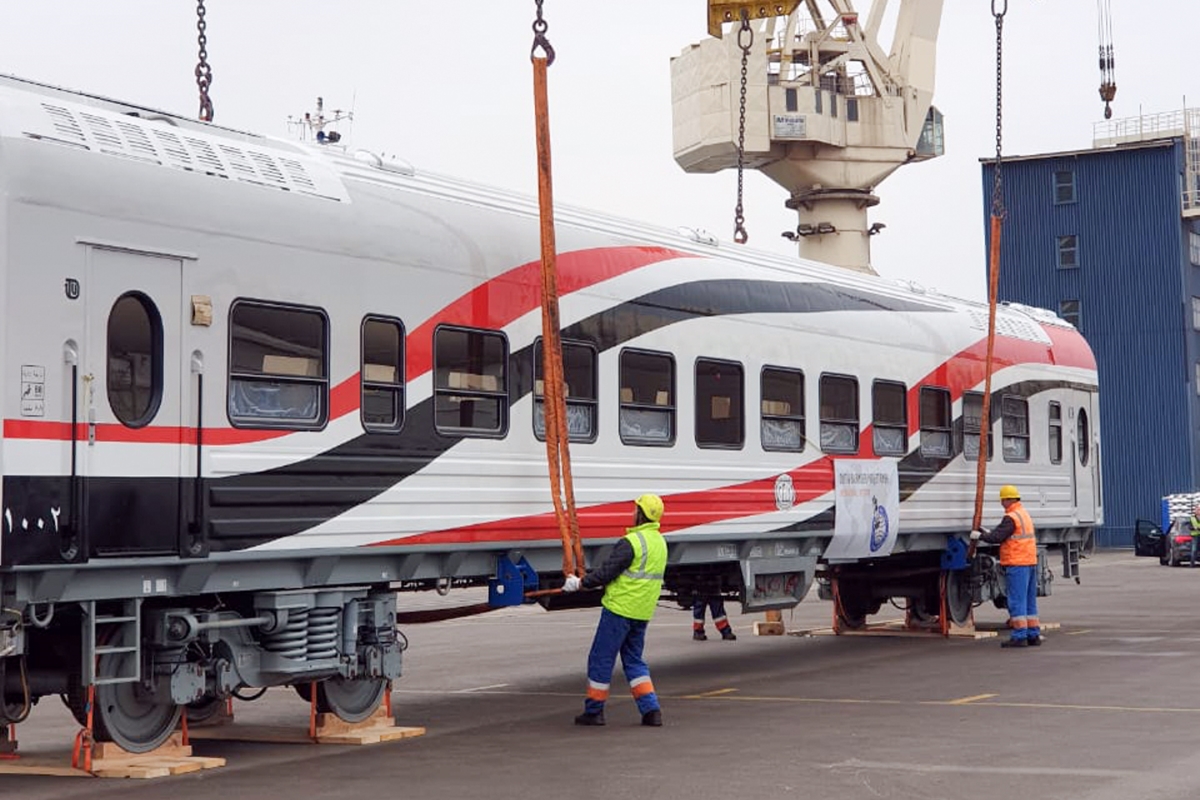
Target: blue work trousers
[
  {"x": 716, "y": 607},
  {"x": 1021, "y": 589},
  {"x": 1195, "y": 539},
  {"x": 617, "y": 634}
]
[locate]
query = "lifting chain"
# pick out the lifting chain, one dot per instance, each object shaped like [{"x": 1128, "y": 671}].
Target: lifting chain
[
  {"x": 540, "y": 26},
  {"x": 745, "y": 41},
  {"x": 203, "y": 70},
  {"x": 999, "y": 9}
]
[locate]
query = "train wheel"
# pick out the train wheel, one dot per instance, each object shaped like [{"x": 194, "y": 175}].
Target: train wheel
[
  {"x": 351, "y": 700},
  {"x": 204, "y": 709},
  {"x": 956, "y": 584},
  {"x": 126, "y": 713}
]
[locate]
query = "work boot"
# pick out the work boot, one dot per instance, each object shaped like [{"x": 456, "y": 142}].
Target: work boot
[
  {"x": 590, "y": 719},
  {"x": 728, "y": 635},
  {"x": 652, "y": 718},
  {"x": 1015, "y": 643},
  {"x": 699, "y": 636},
  {"x": 1035, "y": 641}
]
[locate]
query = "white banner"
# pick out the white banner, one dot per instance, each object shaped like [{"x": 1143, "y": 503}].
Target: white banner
[{"x": 867, "y": 511}]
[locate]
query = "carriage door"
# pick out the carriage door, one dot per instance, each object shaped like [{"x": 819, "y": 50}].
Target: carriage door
[
  {"x": 130, "y": 402},
  {"x": 1084, "y": 449}
]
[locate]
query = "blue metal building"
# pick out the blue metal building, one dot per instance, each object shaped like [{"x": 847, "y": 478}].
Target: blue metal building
[{"x": 1110, "y": 239}]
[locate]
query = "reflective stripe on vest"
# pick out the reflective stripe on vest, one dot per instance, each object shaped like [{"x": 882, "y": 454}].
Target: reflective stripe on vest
[
  {"x": 634, "y": 593},
  {"x": 1020, "y": 549}
]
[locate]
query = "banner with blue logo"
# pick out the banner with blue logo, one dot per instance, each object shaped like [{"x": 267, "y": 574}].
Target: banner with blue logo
[{"x": 867, "y": 508}]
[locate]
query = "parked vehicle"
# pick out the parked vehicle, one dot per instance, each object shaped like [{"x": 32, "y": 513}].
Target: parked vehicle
[{"x": 1149, "y": 540}]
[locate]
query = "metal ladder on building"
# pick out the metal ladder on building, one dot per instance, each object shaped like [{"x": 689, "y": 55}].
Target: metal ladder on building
[{"x": 112, "y": 629}]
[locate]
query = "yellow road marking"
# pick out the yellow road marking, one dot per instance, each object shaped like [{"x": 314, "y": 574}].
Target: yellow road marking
[
  {"x": 713, "y": 693},
  {"x": 962, "y": 701},
  {"x": 976, "y": 704}
]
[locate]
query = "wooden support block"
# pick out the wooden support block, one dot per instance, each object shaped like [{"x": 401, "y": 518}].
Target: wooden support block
[
  {"x": 379, "y": 727},
  {"x": 112, "y": 761},
  {"x": 772, "y": 625}
]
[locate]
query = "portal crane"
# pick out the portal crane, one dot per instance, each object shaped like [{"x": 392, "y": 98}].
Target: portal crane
[{"x": 828, "y": 114}]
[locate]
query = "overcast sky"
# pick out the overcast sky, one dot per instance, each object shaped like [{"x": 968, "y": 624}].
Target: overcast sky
[{"x": 447, "y": 86}]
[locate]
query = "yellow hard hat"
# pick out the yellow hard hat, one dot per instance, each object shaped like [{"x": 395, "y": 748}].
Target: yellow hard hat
[
  {"x": 651, "y": 505},
  {"x": 1009, "y": 492}
]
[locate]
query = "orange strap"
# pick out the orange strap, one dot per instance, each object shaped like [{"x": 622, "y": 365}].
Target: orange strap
[
  {"x": 558, "y": 454},
  {"x": 985, "y": 423},
  {"x": 81, "y": 753}
]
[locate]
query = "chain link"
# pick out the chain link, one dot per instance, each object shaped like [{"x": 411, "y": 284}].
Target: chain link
[
  {"x": 203, "y": 70},
  {"x": 745, "y": 41},
  {"x": 999, "y": 9},
  {"x": 540, "y": 26}
]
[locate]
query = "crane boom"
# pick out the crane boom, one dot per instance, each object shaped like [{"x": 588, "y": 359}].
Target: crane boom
[{"x": 829, "y": 113}]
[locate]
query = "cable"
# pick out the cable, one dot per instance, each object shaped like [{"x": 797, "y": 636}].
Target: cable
[{"x": 249, "y": 698}]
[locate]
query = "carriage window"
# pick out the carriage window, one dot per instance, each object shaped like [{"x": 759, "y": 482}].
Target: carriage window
[
  {"x": 579, "y": 377},
  {"x": 936, "y": 422},
  {"x": 647, "y": 415},
  {"x": 135, "y": 359},
  {"x": 470, "y": 382},
  {"x": 889, "y": 413},
  {"x": 782, "y": 426},
  {"x": 1055, "y": 433},
  {"x": 1014, "y": 428},
  {"x": 382, "y": 374},
  {"x": 839, "y": 414},
  {"x": 972, "y": 419},
  {"x": 719, "y": 404},
  {"x": 278, "y": 366},
  {"x": 1083, "y": 438}
]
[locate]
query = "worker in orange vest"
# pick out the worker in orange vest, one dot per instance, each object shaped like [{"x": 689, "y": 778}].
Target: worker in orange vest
[{"x": 1018, "y": 555}]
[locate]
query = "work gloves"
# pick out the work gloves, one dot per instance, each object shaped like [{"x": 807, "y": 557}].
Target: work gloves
[
  {"x": 571, "y": 584},
  {"x": 977, "y": 534}
]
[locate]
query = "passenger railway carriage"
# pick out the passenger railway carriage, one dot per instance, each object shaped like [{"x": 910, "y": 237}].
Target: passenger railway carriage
[{"x": 251, "y": 389}]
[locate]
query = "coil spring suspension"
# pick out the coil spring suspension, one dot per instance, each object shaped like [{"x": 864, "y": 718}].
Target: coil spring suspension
[
  {"x": 324, "y": 631},
  {"x": 292, "y": 641}
]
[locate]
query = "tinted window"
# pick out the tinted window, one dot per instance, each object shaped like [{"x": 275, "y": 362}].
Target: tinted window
[
  {"x": 839, "y": 414},
  {"x": 579, "y": 376},
  {"x": 889, "y": 411},
  {"x": 647, "y": 398},
  {"x": 936, "y": 423},
  {"x": 719, "y": 404},
  {"x": 972, "y": 419},
  {"x": 1015, "y": 428},
  {"x": 382, "y": 374},
  {"x": 134, "y": 378},
  {"x": 782, "y": 426},
  {"x": 470, "y": 382},
  {"x": 277, "y": 366},
  {"x": 1055, "y": 433}
]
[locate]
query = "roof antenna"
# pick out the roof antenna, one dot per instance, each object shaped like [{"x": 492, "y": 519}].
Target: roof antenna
[{"x": 313, "y": 123}]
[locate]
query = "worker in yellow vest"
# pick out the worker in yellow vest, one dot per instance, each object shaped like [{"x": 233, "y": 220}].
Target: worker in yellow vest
[
  {"x": 632, "y": 578},
  {"x": 1018, "y": 555}
]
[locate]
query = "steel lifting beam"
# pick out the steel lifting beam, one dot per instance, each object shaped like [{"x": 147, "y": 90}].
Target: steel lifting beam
[{"x": 721, "y": 12}]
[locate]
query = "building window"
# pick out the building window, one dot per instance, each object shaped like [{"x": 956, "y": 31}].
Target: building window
[
  {"x": 791, "y": 101},
  {"x": 579, "y": 363},
  {"x": 1198, "y": 377},
  {"x": 720, "y": 419},
  {"x": 278, "y": 366},
  {"x": 1068, "y": 252},
  {"x": 470, "y": 382},
  {"x": 1070, "y": 311},
  {"x": 1194, "y": 247},
  {"x": 382, "y": 374},
  {"x": 972, "y": 421},
  {"x": 1196, "y": 313},
  {"x": 1064, "y": 187},
  {"x": 647, "y": 415},
  {"x": 936, "y": 422},
  {"x": 782, "y": 425},
  {"x": 1014, "y": 428},
  {"x": 839, "y": 414},
  {"x": 135, "y": 359},
  {"x": 1055, "y": 433},
  {"x": 889, "y": 413}
]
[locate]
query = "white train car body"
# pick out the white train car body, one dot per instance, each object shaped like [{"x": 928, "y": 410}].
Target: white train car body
[{"x": 236, "y": 364}]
